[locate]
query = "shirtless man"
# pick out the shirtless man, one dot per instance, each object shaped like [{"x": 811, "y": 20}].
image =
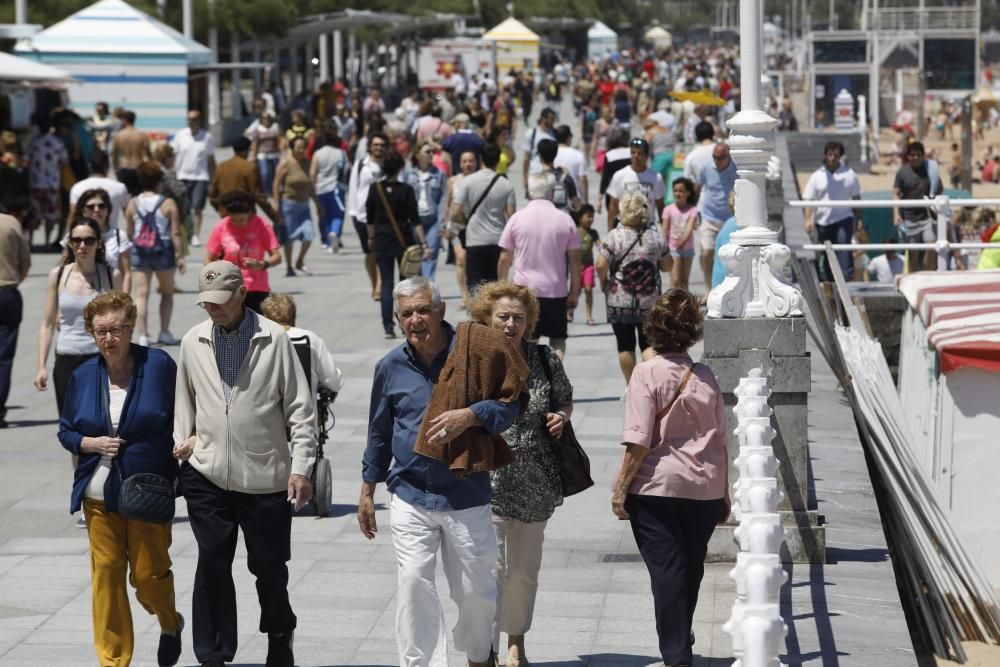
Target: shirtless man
[{"x": 129, "y": 148}]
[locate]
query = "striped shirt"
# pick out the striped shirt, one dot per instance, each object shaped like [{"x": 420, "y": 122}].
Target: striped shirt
[{"x": 230, "y": 348}]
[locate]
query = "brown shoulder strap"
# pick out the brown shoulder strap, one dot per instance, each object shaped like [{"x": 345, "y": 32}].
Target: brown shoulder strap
[
  {"x": 388, "y": 211},
  {"x": 687, "y": 376}
]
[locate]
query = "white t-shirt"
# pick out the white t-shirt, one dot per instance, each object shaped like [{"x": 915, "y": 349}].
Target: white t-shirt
[
  {"x": 841, "y": 184},
  {"x": 115, "y": 190},
  {"x": 193, "y": 152},
  {"x": 531, "y": 140},
  {"x": 699, "y": 158},
  {"x": 884, "y": 269},
  {"x": 573, "y": 163},
  {"x": 95, "y": 487},
  {"x": 648, "y": 183}
]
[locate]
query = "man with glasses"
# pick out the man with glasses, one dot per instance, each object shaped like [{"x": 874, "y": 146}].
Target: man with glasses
[
  {"x": 194, "y": 162},
  {"x": 715, "y": 183},
  {"x": 365, "y": 172},
  {"x": 638, "y": 176},
  {"x": 246, "y": 459}
]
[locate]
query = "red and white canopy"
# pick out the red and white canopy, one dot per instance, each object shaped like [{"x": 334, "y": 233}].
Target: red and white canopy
[{"x": 961, "y": 314}]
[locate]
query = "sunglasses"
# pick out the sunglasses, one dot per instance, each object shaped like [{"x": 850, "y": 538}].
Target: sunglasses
[
  {"x": 96, "y": 207},
  {"x": 83, "y": 240}
]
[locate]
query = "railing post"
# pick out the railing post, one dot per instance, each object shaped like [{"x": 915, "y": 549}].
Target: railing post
[{"x": 943, "y": 205}]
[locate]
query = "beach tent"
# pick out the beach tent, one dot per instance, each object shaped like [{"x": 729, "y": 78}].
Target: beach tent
[
  {"x": 659, "y": 38},
  {"x": 949, "y": 380},
  {"x": 600, "y": 41},
  {"x": 22, "y": 72},
  {"x": 517, "y": 47},
  {"x": 123, "y": 57}
]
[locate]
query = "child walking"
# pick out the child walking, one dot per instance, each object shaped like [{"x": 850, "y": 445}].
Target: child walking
[
  {"x": 680, "y": 219},
  {"x": 588, "y": 241}
]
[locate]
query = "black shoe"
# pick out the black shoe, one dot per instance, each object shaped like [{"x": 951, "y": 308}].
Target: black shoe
[
  {"x": 390, "y": 333},
  {"x": 279, "y": 649},
  {"x": 169, "y": 651},
  {"x": 3, "y": 423},
  {"x": 213, "y": 663}
]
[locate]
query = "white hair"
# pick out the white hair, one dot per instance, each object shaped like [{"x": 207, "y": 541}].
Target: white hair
[
  {"x": 415, "y": 285},
  {"x": 541, "y": 186}
]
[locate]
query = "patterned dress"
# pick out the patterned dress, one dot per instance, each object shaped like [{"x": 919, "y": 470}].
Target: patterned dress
[{"x": 530, "y": 489}]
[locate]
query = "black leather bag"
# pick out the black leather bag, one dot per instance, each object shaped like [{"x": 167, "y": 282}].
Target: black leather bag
[
  {"x": 574, "y": 464},
  {"x": 146, "y": 496}
]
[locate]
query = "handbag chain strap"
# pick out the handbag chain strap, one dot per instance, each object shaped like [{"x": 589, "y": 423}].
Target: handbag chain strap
[{"x": 388, "y": 210}]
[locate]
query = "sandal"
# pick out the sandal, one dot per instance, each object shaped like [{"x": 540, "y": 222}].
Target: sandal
[
  {"x": 591, "y": 321},
  {"x": 516, "y": 662}
]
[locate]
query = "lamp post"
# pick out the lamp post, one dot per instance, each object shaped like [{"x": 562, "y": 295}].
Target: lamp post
[{"x": 753, "y": 257}]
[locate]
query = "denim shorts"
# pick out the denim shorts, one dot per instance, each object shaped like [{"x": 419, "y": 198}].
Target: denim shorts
[
  {"x": 197, "y": 193},
  {"x": 161, "y": 259}
]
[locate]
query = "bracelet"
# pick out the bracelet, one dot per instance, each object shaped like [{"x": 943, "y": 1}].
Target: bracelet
[{"x": 563, "y": 415}]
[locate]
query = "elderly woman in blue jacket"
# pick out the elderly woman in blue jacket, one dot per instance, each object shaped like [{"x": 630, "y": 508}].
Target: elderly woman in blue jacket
[{"x": 118, "y": 418}]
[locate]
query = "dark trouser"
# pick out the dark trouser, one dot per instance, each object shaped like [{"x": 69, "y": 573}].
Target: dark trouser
[
  {"x": 672, "y": 535},
  {"x": 62, "y": 371},
  {"x": 836, "y": 233},
  {"x": 254, "y": 300},
  {"x": 11, "y": 309},
  {"x": 387, "y": 260},
  {"x": 266, "y": 522},
  {"x": 481, "y": 265}
]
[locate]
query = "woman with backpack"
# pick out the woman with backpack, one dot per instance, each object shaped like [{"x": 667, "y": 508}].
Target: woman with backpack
[
  {"x": 153, "y": 223},
  {"x": 631, "y": 258}
]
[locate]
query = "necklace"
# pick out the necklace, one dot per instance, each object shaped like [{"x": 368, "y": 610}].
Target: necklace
[{"x": 90, "y": 278}]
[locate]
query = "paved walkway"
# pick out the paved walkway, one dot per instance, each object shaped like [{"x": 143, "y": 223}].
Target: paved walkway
[{"x": 594, "y": 605}]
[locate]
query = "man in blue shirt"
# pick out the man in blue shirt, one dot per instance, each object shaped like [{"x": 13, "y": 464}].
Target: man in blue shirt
[
  {"x": 430, "y": 507},
  {"x": 715, "y": 182}
]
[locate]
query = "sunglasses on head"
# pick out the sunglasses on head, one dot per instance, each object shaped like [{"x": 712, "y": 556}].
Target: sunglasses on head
[{"x": 83, "y": 240}]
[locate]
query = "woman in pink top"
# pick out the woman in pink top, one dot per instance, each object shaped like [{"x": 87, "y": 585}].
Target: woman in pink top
[
  {"x": 246, "y": 240},
  {"x": 673, "y": 483}
]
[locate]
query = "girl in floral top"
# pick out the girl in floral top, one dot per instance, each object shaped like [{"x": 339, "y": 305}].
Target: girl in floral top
[{"x": 526, "y": 493}]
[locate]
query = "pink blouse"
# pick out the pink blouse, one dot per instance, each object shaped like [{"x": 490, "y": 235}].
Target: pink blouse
[{"x": 687, "y": 448}]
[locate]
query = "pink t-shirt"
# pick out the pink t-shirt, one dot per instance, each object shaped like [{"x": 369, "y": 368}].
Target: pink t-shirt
[
  {"x": 687, "y": 448},
  {"x": 540, "y": 235},
  {"x": 675, "y": 222},
  {"x": 253, "y": 240}
]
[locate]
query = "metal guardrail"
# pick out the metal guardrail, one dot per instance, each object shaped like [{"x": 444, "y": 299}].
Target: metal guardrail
[
  {"x": 942, "y": 204},
  {"x": 928, "y": 18}
]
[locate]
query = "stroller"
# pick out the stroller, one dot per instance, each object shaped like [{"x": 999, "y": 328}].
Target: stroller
[{"x": 322, "y": 476}]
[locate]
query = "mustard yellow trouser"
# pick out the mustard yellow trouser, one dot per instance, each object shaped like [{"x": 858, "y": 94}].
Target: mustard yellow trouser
[{"x": 117, "y": 543}]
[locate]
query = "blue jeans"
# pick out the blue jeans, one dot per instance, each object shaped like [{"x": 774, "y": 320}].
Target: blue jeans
[
  {"x": 267, "y": 166},
  {"x": 331, "y": 215},
  {"x": 432, "y": 230},
  {"x": 836, "y": 233}
]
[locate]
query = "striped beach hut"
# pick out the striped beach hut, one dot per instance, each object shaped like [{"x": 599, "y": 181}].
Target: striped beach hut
[{"x": 124, "y": 57}]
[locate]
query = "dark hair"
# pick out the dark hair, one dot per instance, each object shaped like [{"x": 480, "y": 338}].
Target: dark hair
[
  {"x": 704, "y": 131},
  {"x": 237, "y": 201},
  {"x": 915, "y": 146},
  {"x": 491, "y": 155},
  {"x": 90, "y": 194},
  {"x": 675, "y": 322},
  {"x": 150, "y": 175},
  {"x": 331, "y": 135},
  {"x": 378, "y": 135},
  {"x": 547, "y": 111},
  {"x": 393, "y": 164},
  {"x": 617, "y": 137},
  {"x": 639, "y": 142},
  {"x": 563, "y": 133},
  {"x": 80, "y": 221},
  {"x": 833, "y": 145},
  {"x": 99, "y": 162},
  {"x": 547, "y": 150},
  {"x": 129, "y": 117},
  {"x": 580, "y": 212},
  {"x": 241, "y": 145},
  {"x": 689, "y": 186}
]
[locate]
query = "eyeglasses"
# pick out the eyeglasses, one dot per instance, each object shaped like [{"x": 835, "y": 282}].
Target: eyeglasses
[
  {"x": 83, "y": 240},
  {"x": 194, "y": 119},
  {"x": 114, "y": 332},
  {"x": 96, "y": 207},
  {"x": 719, "y": 158}
]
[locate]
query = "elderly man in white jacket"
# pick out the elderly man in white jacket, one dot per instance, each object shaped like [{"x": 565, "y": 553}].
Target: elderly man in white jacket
[{"x": 239, "y": 387}]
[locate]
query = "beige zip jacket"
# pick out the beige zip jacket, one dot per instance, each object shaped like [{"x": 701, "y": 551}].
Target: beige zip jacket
[{"x": 245, "y": 447}]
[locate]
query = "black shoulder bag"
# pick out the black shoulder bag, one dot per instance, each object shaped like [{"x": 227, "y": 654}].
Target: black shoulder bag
[
  {"x": 574, "y": 464},
  {"x": 144, "y": 496},
  {"x": 482, "y": 197}
]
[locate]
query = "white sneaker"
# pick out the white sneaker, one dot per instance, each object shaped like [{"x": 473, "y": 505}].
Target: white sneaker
[
  {"x": 195, "y": 241},
  {"x": 328, "y": 249},
  {"x": 144, "y": 341},
  {"x": 166, "y": 338},
  {"x": 334, "y": 241}
]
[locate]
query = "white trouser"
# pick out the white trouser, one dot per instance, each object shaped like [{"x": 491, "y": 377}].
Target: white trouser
[
  {"x": 517, "y": 566},
  {"x": 468, "y": 553}
]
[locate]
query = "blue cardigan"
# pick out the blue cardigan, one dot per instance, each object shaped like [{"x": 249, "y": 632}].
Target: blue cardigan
[{"x": 146, "y": 424}]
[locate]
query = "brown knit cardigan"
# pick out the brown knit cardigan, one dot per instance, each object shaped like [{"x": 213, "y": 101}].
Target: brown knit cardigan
[{"x": 483, "y": 365}]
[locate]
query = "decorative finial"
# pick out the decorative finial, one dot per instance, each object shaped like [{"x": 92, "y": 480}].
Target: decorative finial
[{"x": 510, "y": 9}]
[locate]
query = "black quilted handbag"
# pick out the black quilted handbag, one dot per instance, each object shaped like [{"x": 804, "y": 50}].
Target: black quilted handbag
[
  {"x": 574, "y": 464},
  {"x": 146, "y": 496}
]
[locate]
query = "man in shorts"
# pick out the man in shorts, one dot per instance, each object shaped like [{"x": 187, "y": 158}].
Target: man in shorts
[
  {"x": 637, "y": 177},
  {"x": 919, "y": 178},
  {"x": 195, "y": 163},
  {"x": 715, "y": 182}
]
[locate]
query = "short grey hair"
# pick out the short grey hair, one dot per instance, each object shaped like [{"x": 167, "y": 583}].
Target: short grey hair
[
  {"x": 541, "y": 186},
  {"x": 413, "y": 286}
]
